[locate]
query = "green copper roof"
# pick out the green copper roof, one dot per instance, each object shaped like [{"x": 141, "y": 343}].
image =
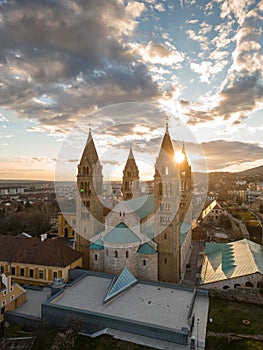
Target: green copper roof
[
  {"x": 119, "y": 284},
  {"x": 121, "y": 234},
  {"x": 146, "y": 249},
  {"x": 97, "y": 245},
  {"x": 257, "y": 251},
  {"x": 230, "y": 260},
  {"x": 142, "y": 206}
]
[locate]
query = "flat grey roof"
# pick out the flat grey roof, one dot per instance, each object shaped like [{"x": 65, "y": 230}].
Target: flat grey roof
[
  {"x": 148, "y": 303},
  {"x": 34, "y": 298}
]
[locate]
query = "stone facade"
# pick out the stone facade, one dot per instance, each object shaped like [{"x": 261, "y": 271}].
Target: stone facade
[
  {"x": 252, "y": 295},
  {"x": 125, "y": 237},
  {"x": 147, "y": 265},
  {"x": 118, "y": 256}
]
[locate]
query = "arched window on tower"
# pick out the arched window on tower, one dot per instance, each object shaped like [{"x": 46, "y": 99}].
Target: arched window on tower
[
  {"x": 160, "y": 189},
  {"x": 96, "y": 257},
  {"x": 166, "y": 170},
  {"x": 116, "y": 254},
  {"x": 127, "y": 254}
]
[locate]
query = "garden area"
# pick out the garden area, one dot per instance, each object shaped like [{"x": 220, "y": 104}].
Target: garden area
[{"x": 231, "y": 318}]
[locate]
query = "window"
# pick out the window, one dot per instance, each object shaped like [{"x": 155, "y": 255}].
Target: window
[
  {"x": 160, "y": 189},
  {"x": 3, "y": 303},
  {"x": 249, "y": 284},
  {"x": 40, "y": 274},
  {"x": 13, "y": 270},
  {"x": 55, "y": 274},
  {"x": 74, "y": 222},
  {"x": 165, "y": 260},
  {"x": 12, "y": 297},
  {"x": 127, "y": 254},
  {"x": 5, "y": 292},
  {"x": 96, "y": 257},
  {"x": 11, "y": 289},
  {"x": 166, "y": 170},
  {"x": 116, "y": 254},
  {"x": 107, "y": 252},
  {"x": 144, "y": 262},
  {"x": 2, "y": 269},
  {"x": 165, "y": 236}
]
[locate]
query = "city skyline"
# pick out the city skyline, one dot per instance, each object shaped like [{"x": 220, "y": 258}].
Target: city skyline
[{"x": 123, "y": 67}]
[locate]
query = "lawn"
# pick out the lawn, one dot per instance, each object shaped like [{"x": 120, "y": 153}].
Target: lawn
[
  {"x": 46, "y": 340},
  {"x": 221, "y": 343},
  {"x": 227, "y": 317}
]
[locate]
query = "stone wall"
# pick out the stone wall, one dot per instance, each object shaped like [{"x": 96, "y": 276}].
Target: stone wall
[
  {"x": 147, "y": 266},
  {"x": 115, "y": 258},
  {"x": 97, "y": 260},
  {"x": 251, "y": 295}
]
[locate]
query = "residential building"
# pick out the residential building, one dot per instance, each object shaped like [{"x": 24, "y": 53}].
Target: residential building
[{"x": 31, "y": 261}]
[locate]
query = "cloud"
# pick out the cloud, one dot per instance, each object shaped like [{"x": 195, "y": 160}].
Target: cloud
[
  {"x": 207, "y": 69},
  {"x": 241, "y": 92},
  {"x": 35, "y": 159},
  {"x": 159, "y": 7},
  {"x": 221, "y": 154},
  {"x": 164, "y": 54},
  {"x": 61, "y": 60}
]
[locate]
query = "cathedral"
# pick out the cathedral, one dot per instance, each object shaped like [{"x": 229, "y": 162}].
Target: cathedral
[{"x": 150, "y": 234}]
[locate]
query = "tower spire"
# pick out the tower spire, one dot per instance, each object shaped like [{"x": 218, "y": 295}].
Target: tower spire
[
  {"x": 167, "y": 124},
  {"x": 130, "y": 179},
  {"x": 130, "y": 154},
  {"x": 167, "y": 145}
]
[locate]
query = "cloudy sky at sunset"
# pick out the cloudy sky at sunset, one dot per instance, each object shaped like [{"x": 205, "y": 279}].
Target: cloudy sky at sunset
[{"x": 63, "y": 63}]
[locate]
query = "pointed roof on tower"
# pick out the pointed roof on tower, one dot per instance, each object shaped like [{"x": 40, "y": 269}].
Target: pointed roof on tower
[
  {"x": 90, "y": 152},
  {"x": 167, "y": 145},
  {"x": 185, "y": 161},
  {"x": 131, "y": 163}
]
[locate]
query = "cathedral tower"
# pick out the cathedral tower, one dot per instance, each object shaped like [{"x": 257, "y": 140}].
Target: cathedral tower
[
  {"x": 130, "y": 179},
  {"x": 186, "y": 189},
  {"x": 166, "y": 217},
  {"x": 89, "y": 204}
]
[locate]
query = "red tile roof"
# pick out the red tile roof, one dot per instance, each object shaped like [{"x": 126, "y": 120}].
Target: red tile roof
[{"x": 51, "y": 252}]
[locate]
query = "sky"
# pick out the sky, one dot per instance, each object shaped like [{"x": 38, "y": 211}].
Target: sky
[{"x": 124, "y": 69}]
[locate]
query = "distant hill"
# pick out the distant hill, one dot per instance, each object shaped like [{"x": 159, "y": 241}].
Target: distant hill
[{"x": 254, "y": 171}]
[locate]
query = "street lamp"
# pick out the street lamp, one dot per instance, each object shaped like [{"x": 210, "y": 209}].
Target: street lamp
[{"x": 197, "y": 323}]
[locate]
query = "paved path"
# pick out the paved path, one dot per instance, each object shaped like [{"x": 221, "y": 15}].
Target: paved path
[{"x": 192, "y": 274}]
